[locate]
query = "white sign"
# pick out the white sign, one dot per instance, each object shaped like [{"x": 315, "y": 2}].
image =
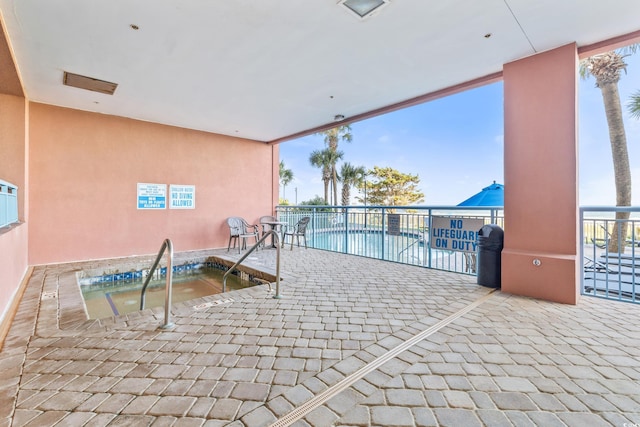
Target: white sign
[
  {"x": 455, "y": 234},
  {"x": 152, "y": 196},
  {"x": 182, "y": 196}
]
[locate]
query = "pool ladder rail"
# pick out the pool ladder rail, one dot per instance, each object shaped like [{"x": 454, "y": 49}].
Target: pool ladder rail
[
  {"x": 168, "y": 246},
  {"x": 276, "y": 240}
]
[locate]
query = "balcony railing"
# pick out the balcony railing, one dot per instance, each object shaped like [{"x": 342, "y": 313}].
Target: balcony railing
[
  {"x": 609, "y": 272},
  {"x": 392, "y": 233}
]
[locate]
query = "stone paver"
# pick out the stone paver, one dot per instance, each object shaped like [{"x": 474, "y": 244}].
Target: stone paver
[{"x": 252, "y": 361}]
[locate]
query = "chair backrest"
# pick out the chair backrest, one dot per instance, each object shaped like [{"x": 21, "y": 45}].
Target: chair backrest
[
  {"x": 301, "y": 226},
  {"x": 267, "y": 218},
  {"x": 236, "y": 225}
]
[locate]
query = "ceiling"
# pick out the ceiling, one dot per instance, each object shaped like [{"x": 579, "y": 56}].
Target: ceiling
[{"x": 269, "y": 69}]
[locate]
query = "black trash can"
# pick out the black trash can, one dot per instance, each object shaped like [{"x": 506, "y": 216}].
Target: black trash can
[{"x": 490, "y": 243}]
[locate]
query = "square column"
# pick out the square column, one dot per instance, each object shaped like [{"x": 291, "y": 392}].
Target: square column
[{"x": 540, "y": 255}]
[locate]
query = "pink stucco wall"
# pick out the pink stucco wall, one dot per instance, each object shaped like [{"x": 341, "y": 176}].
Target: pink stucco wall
[
  {"x": 84, "y": 170},
  {"x": 541, "y": 176},
  {"x": 13, "y": 241}
]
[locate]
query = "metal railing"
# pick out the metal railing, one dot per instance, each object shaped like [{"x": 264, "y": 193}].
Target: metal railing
[
  {"x": 607, "y": 271},
  {"x": 365, "y": 231},
  {"x": 8, "y": 203},
  {"x": 168, "y": 246},
  {"x": 276, "y": 240}
]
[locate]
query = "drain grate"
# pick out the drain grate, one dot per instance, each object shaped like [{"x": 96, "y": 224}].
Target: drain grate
[
  {"x": 49, "y": 295},
  {"x": 318, "y": 400}
]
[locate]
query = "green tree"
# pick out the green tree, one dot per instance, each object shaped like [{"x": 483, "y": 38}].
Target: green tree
[
  {"x": 286, "y": 176},
  {"x": 332, "y": 137},
  {"x": 324, "y": 159},
  {"x": 634, "y": 105},
  {"x": 607, "y": 69},
  {"x": 393, "y": 188},
  {"x": 316, "y": 201},
  {"x": 350, "y": 176}
]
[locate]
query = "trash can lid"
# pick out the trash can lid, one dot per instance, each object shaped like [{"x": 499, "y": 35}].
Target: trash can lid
[{"x": 491, "y": 231}]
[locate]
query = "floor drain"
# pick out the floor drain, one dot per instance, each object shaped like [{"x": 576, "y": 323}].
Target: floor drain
[{"x": 49, "y": 295}]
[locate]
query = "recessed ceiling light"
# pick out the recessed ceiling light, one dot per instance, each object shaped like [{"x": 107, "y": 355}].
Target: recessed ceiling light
[
  {"x": 363, "y": 8},
  {"x": 134, "y": 27},
  {"x": 338, "y": 118},
  {"x": 89, "y": 83},
  {"x": 488, "y": 35}
]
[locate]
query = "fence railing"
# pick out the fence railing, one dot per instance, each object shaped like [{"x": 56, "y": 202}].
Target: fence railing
[
  {"x": 605, "y": 272},
  {"x": 610, "y": 251},
  {"x": 8, "y": 203},
  {"x": 391, "y": 233}
]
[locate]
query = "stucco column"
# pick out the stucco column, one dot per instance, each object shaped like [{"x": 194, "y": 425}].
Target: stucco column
[{"x": 540, "y": 255}]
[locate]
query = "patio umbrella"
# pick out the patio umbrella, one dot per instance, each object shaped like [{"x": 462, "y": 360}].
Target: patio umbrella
[{"x": 492, "y": 195}]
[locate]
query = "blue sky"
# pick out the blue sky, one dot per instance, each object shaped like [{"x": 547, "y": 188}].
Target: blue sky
[{"x": 455, "y": 145}]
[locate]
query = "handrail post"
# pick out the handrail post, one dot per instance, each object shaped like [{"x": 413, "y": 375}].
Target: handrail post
[
  {"x": 168, "y": 289},
  {"x": 277, "y": 295},
  {"x": 166, "y": 245},
  {"x": 276, "y": 238}
]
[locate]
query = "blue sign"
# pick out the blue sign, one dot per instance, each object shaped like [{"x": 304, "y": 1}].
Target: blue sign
[{"x": 152, "y": 196}]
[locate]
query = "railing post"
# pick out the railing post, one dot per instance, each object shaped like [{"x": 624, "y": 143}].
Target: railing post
[
  {"x": 314, "y": 222},
  {"x": 383, "y": 232},
  {"x": 168, "y": 289},
  {"x": 276, "y": 238},
  {"x": 277, "y": 295},
  {"x": 166, "y": 245},
  {"x": 428, "y": 245},
  {"x": 346, "y": 230}
]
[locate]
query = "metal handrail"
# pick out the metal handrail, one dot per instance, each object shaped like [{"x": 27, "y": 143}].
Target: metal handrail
[
  {"x": 169, "y": 284},
  {"x": 276, "y": 238}
]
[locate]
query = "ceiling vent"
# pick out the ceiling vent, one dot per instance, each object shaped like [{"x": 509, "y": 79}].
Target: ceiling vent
[
  {"x": 89, "y": 83},
  {"x": 363, "y": 9}
]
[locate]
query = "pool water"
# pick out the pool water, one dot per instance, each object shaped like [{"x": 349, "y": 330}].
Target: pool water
[
  {"x": 124, "y": 297},
  {"x": 406, "y": 248},
  {"x": 371, "y": 244}
]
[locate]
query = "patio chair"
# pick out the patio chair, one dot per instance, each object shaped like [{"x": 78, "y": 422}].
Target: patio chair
[
  {"x": 240, "y": 229},
  {"x": 297, "y": 231}
]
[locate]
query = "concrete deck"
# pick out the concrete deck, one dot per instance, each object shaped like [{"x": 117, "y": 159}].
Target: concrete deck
[{"x": 354, "y": 342}]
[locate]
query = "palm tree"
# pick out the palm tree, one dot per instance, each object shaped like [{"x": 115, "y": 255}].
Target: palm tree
[
  {"x": 332, "y": 137},
  {"x": 324, "y": 159},
  {"x": 634, "y": 105},
  {"x": 350, "y": 176},
  {"x": 286, "y": 176},
  {"x": 607, "y": 68}
]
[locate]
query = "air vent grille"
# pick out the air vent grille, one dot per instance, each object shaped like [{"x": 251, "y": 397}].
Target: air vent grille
[{"x": 89, "y": 83}]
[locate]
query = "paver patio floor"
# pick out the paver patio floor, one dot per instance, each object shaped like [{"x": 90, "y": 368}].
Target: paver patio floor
[{"x": 353, "y": 342}]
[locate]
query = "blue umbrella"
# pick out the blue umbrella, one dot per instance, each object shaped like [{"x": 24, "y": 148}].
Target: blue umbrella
[{"x": 492, "y": 195}]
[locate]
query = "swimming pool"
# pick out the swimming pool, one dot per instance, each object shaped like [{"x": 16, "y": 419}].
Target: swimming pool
[
  {"x": 119, "y": 293},
  {"x": 406, "y": 248},
  {"x": 370, "y": 243}
]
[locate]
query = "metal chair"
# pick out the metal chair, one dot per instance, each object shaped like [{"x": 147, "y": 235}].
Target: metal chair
[
  {"x": 297, "y": 231},
  {"x": 240, "y": 229}
]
